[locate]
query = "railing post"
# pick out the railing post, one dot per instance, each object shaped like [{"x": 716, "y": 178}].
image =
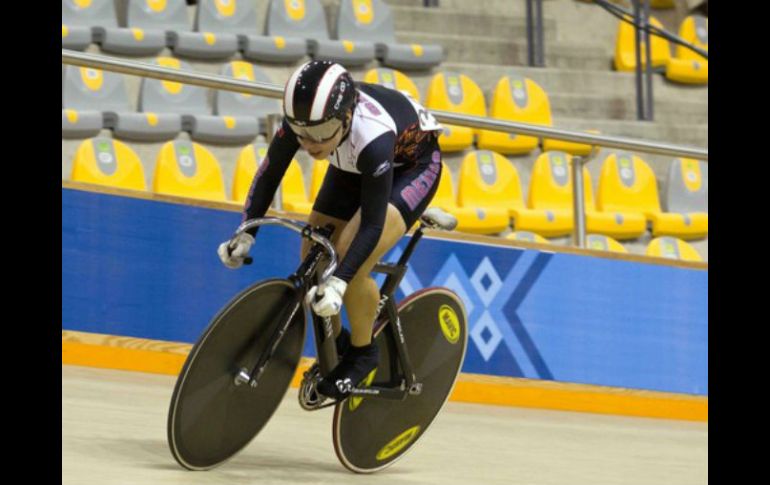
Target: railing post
[
  {"x": 578, "y": 198},
  {"x": 638, "y": 70},
  {"x": 530, "y": 35},
  {"x": 540, "y": 48},
  {"x": 648, "y": 114}
]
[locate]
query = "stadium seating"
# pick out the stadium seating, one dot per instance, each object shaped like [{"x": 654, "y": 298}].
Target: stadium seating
[
  {"x": 371, "y": 21},
  {"x": 187, "y": 169},
  {"x": 455, "y": 93},
  {"x": 526, "y": 236},
  {"x": 305, "y": 19},
  {"x": 469, "y": 219},
  {"x": 625, "y": 52},
  {"x": 627, "y": 185},
  {"x": 137, "y": 38},
  {"x": 81, "y": 110},
  {"x": 686, "y": 187},
  {"x": 104, "y": 161},
  {"x": 673, "y": 248},
  {"x": 293, "y": 192},
  {"x": 170, "y": 16},
  {"x": 189, "y": 102},
  {"x": 239, "y": 18},
  {"x": 601, "y": 242},
  {"x": 79, "y": 17},
  {"x": 521, "y": 99},
  {"x": 243, "y": 106},
  {"x": 393, "y": 79},
  {"x": 245, "y": 167},
  {"x": 100, "y": 99},
  {"x": 490, "y": 185},
  {"x": 688, "y": 66}
]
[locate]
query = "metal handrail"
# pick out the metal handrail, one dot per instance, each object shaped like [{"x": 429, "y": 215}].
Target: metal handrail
[
  {"x": 272, "y": 91},
  {"x": 214, "y": 81}
]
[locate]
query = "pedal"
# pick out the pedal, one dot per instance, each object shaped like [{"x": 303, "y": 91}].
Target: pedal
[
  {"x": 415, "y": 389},
  {"x": 309, "y": 398}
]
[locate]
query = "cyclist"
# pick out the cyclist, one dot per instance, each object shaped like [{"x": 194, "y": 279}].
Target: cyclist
[{"x": 385, "y": 165}]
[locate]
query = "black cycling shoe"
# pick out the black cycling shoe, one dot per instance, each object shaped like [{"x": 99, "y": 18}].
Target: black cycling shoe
[{"x": 356, "y": 364}]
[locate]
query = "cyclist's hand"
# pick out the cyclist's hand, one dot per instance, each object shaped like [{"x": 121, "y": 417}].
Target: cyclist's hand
[
  {"x": 233, "y": 252},
  {"x": 329, "y": 297}
]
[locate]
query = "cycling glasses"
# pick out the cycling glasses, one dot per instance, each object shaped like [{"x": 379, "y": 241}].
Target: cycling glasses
[{"x": 317, "y": 133}]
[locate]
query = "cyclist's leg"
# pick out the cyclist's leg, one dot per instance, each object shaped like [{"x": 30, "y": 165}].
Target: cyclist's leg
[{"x": 362, "y": 294}]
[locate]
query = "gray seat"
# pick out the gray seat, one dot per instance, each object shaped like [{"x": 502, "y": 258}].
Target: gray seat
[
  {"x": 189, "y": 102},
  {"x": 687, "y": 187},
  {"x": 136, "y": 37},
  {"x": 357, "y": 23},
  {"x": 170, "y": 16},
  {"x": 246, "y": 106},
  {"x": 78, "y": 22},
  {"x": 310, "y": 24},
  {"x": 101, "y": 101},
  {"x": 239, "y": 18}
]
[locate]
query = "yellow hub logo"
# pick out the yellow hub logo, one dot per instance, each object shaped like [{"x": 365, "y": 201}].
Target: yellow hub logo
[
  {"x": 450, "y": 324},
  {"x": 398, "y": 443}
]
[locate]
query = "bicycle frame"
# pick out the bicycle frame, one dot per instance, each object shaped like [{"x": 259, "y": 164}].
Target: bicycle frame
[{"x": 326, "y": 348}]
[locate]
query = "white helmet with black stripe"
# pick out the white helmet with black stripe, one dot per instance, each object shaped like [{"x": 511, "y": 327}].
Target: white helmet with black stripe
[{"x": 316, "y": 99}]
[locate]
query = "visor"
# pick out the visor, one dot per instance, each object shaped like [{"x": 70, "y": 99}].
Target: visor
[{"x": 317, "y": 133}]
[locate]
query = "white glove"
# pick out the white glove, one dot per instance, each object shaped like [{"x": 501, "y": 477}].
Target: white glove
[
  {"x": 331, "y": 293},
  {"x": 233, "y": 252}
]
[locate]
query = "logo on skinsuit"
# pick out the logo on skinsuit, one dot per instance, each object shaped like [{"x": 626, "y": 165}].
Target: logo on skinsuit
[
  {"x": 450, "y": 325},
  {"x": 398, "y": 443}
]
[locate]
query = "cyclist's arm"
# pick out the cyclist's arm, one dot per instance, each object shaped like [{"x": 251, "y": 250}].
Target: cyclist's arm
[
  {"x": 282, "y": 149},
  {"x": 376, "y": 166}
]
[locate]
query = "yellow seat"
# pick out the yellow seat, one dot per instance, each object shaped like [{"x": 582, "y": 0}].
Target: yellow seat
[
  {"x": 469, "y": 219},
  {"x": 317, "y": 179},
  {"x": 456, "y": 93},
  {"x": 245, "y": 167},
  {"x": 104, "y": 161},
  {"x": 293, "y": 193},
  {"x": 393, "y": 79},
  {"x": 187, "y": 169},
  {"x": 628, "y": 185},
  {"x": 550, "y": 192},
  {"x": 526, "y": 236},
  {"x": 688, "y": 66},
  {"x": 490, "y": 184},
  {"x": 519, "y": 99},
  {"x": 625, "y": 52},
  {"x": 673, "y": 248},
  {"x": 601, "y": 242}
]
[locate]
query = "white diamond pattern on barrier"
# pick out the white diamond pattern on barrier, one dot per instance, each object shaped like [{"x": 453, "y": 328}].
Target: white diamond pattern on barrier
[
  {"x": 454, "y": 284},
  {"x": 486, "y": 282},
  {"x": 486, "y": 336}
]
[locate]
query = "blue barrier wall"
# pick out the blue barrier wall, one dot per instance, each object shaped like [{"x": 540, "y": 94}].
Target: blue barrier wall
[{"x": 149, "y": 269}]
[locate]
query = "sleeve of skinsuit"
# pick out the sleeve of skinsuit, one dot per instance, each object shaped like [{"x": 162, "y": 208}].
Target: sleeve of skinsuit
[
  {"x": 282, "y": 149},
  {"x": 376, "y": 166}
]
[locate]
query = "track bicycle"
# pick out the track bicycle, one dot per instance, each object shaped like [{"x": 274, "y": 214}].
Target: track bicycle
[{"x": 239, "y": 370}]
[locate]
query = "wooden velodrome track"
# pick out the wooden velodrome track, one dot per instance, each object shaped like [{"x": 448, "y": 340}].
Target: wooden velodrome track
[{"x": 114, "y": 432}]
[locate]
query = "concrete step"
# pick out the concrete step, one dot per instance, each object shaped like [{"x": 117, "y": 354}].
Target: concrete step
[
  {"x": 461, "y": 22},
  {"x": 691, "y": 135},
  {"x": 608, "y": 107},
  {"x": 512, "y": 52}
]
